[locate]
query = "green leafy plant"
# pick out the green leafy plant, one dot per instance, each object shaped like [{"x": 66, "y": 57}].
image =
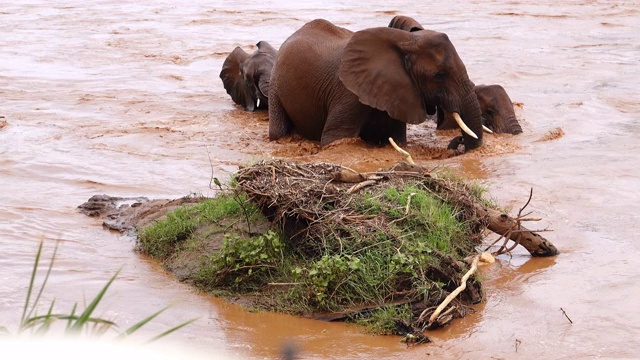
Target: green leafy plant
[{"x": 242, "y": 261}]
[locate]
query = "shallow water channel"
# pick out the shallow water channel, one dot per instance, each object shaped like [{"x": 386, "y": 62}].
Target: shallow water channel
[{"x": 123, "y": 98}]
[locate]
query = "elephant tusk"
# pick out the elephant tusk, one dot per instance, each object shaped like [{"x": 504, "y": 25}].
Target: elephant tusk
[
  {"x": 258, "y": 103},
  {"x": 464, "y": 126},
  {"x": 486, "y": 129}
]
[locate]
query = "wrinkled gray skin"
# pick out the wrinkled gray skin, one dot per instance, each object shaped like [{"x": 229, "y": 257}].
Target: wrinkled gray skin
[
  {"x": 497, "y": 111},
  {"x": 496, "y": 106},
  {"x": 329, "y": 83},
  {"x": 246, "y": 77}
]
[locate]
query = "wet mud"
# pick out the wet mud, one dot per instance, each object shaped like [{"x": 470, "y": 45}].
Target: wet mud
[{"x": 125, "y": 215}]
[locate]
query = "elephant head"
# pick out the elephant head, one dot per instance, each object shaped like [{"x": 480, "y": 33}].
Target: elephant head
[
  {"x": 497, "y": 111},
  {"x": 246, "y": 77},
  {"x": 409, "y": 74},
  {"x": 405, "y": 23}
]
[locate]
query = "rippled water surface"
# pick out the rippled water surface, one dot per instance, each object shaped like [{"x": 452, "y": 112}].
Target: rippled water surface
[{"x": 123, "y": 98}]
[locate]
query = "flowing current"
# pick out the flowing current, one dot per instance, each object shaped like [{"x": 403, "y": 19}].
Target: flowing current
[{"x": 123, "y": 98}]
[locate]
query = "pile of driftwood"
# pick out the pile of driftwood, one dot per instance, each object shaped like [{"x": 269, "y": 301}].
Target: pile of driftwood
[
  {"x": 315, "y": 202},
  {"x": 308, "y": 200}
]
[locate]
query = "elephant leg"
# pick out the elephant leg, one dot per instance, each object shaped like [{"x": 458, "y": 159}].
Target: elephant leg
[
  {"x": 343, "y": 122},
  {"x": 398, "y": 131},
  {"x": 455, "y": 143},
  {"x": 279, "y": 123},
  {"x": 380, "y": 128}
]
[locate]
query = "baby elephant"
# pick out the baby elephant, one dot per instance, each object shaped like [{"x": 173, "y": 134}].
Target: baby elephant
[
  {"x": 497, "y": 111},
  {"x": 246, "y": 77}
]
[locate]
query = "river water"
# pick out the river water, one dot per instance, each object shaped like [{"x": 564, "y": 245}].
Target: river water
[{"x": 123, "y": 98}]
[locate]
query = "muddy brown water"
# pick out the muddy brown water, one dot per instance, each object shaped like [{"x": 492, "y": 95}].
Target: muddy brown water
[{"x": 124, "y": 98}]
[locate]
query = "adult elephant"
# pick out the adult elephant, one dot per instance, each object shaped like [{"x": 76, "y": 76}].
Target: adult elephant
[
  {"x": 497, "y": 111},
  {"x": 246, "y": 77},
  {"x": 329, "y": 83},
  {"x": 496, "y": 106}
]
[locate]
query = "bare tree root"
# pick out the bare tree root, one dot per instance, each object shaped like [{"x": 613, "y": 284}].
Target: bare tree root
[{"x": 510, "y": 228}]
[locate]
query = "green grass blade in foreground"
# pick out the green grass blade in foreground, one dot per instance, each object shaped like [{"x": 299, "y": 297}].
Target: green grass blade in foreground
[
  {"x": 30, "y": 289},
  {"x": 85, "y": 316},
  {"x": 46, "y": 324},
  {"x": 25, "y": 315},
  {"x": 145, "y": 321},
  {"x": 71, "y": 316},
  {"x": 173, "y": 329},
  {"x": 41, "y": 324},
  {"x": 140, "y": 324},
  {"x": 32, "y": 321}
]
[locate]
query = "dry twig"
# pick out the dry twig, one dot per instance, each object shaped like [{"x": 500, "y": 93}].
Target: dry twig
[{"x": 565, "y": 315}]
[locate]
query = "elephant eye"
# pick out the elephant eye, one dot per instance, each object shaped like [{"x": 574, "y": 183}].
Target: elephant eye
[
  {"x": 490, "y": 112},
  {"x": 440, "y": 76}
]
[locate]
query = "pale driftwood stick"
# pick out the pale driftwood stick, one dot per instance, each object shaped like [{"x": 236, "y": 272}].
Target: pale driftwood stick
[
  {"x": 360, "y": 185},
  {"x": 406, "y": 211},
  {"x": 283, "y": 284},
  {"x": 530, "y": 219},
  {"x": 406, "y": 155},
  {"x": 456, "y": 292}
]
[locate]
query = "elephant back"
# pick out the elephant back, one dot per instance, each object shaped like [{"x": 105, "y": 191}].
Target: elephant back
[{"x": 305, "y": 75}]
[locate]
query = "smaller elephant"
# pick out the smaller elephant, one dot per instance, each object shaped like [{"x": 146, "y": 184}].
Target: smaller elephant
[
  {"x": 246, "y": 77},
  {"x": 497, "y": 111}
]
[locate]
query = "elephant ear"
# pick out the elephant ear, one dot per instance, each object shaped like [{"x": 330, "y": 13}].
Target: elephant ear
[
  {"x": 373, "y": 67},
  {"x": 405, "y": 23},
  {"x": 232, "y": 77},
  {"x": 266, "y": 48},
  {"x": 263, "y": 86}
]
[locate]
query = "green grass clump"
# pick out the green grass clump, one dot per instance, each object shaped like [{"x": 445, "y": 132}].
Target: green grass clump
[
  {"x": 385, "y": 320},
  {"x": 473, "y": 188},
  {"x": 243, "y": 258},
  {"x": 160, "y": 239},
  {"x": 377, "y": 266}
]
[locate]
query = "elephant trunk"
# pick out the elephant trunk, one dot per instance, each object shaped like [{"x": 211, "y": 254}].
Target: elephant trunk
[
  {"x": 249, "y": 102},
  {"x": 512, "y": 126},
  {"x": 472, "y": 116}
]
